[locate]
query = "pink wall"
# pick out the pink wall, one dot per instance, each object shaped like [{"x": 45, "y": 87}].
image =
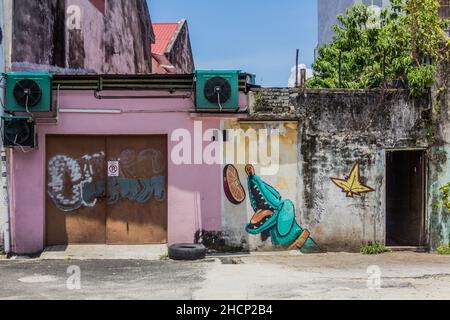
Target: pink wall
[{"x": 194, "y": 191}]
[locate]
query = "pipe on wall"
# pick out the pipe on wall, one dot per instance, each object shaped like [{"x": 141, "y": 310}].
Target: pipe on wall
[
  {"x": 5, "y": 202},
  {"x": 6, "y": 12},
  {"x": 97, "y": 95}
]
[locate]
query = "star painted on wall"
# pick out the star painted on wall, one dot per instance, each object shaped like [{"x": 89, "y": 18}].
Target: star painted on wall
[{"x": 352, "y": 186}]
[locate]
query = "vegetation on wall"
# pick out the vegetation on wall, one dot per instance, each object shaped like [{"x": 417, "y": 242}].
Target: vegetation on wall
[
  {"x": 401, "y": 47},
  {"x": 446, "y": 196}
]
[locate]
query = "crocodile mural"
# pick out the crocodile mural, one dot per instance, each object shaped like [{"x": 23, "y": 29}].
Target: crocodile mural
[{"x": 275, "y": 217}]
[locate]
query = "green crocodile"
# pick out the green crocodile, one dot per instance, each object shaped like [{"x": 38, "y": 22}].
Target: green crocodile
[{"x": 275, "y": 217}]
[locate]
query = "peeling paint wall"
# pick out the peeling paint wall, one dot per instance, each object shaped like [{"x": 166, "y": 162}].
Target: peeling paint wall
[
  {"x": 235, "y": 218},
  {"x": 439, "y": 175},
  {"x": 340, "y": 134},
  {"x": 439, "y": 216},
  {"x": 114, "y": 41},
  {"x": 339, "y": 130},
  {"x": 42, "y": 23},
  {"x": 2, "y": 69}
]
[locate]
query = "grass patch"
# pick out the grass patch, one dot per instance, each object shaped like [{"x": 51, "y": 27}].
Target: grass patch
[
  {"x": 164, "y": 257},
  {"x": 444, "y": 249},
  {"x": 373, "y": 248}
]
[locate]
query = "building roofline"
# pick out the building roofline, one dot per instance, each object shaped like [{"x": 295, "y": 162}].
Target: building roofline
[
  {"x": 99, "y": 82},
  {"x": 172, "y": 41}
]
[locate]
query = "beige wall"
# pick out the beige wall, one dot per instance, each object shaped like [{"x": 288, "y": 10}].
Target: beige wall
[{"x": 236, "y": 217}]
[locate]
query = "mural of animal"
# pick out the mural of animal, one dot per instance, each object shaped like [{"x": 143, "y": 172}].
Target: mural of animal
[{"x": 275, "y": 216}]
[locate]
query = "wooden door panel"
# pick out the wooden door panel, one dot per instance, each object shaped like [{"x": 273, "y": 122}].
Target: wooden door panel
[
  {"x": 75, "y": 195},
  {"x": 137, "y": 198}
]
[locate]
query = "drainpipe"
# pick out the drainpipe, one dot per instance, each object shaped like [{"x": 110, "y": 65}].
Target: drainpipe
[{"x": 6, "y": 8}]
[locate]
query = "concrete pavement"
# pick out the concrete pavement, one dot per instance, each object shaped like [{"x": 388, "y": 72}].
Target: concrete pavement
[
  {"x": 286, "y": 275},
  {"x": 105, "y": 252}
]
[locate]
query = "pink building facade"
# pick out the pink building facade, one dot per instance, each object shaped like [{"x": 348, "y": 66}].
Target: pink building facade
[{"x": 193, "y": 190}]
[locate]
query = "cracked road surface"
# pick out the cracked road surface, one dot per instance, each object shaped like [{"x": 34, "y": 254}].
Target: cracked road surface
[{"x": 262, "y": 276}]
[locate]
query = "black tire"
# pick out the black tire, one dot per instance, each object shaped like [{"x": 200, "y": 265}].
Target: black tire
[{"x": 187, "y": 251}]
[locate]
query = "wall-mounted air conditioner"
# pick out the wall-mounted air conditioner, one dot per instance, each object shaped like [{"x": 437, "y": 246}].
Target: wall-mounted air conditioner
[
  {"x": 19, "y": 132},
  {"x": 217, "y": 90},
  {"x": 28, "y": 92}
]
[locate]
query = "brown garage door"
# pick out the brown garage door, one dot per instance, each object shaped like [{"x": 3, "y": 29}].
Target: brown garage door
[{"x": 106, "y": 190}]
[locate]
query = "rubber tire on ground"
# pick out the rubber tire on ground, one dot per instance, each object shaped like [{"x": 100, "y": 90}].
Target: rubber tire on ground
[{"x": 187, "y": 251}]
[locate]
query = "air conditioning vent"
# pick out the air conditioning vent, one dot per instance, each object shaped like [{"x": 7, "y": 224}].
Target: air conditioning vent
[
  {"x": 28, "y": 92},
  {"x": 217, "y": 91}
]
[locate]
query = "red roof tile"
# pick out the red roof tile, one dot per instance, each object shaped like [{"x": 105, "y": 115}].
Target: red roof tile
[{"x": 164, "y": 32}]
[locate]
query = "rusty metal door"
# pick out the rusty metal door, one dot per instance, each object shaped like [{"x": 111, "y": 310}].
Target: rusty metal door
[
  {"x": 137, "y": 190},
  {"x": 106, "y": 190},
  {"x": 76, "y": 195}
]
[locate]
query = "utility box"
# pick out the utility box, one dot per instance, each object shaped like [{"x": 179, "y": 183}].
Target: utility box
[
  {"x": 217, "y": 90},
  {"x": 28, "y": 92}
]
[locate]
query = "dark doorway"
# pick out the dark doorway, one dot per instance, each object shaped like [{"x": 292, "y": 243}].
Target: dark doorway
[{"x": 405, "y": 198}]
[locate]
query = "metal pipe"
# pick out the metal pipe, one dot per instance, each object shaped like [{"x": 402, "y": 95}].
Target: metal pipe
[
  {"x": 302, "y": 78},
  {"x": 166, "y": 96},
  {"x": 296, "y": 68},
  {"x": 5, "y": 202},
  {"x": 76, "y": 110},
  {"x": 6, "y": 10},
  {"x": 340, "y": 69}
]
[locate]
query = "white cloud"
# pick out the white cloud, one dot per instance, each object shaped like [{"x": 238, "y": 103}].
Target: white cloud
[{"x": 291, "y": 81}]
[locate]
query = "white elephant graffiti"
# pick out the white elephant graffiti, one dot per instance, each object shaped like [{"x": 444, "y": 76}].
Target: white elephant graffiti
[{"x": 71, "y": 183}]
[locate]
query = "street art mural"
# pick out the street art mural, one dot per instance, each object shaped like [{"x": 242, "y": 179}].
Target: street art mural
[
  {"x": 77, "y": 183},
  {"x": 232, "y": 186},
  {"x": 275, "y": 217},
  {"x": 352, "y": 185},
  {"x": 67, "y": 178}
]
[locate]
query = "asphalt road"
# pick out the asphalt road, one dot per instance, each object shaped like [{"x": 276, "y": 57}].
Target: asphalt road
[{"x": 270, "y": 276}]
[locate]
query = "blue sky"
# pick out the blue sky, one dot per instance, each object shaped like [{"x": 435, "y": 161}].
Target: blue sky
[{"x": 257, "y": 36}]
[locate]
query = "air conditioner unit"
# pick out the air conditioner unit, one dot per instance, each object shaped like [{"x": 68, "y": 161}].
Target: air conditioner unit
[
  {"x": 28, "y": 92},
  {"x": 217, "y": 90},
  {"x": 19, "y": 132}
]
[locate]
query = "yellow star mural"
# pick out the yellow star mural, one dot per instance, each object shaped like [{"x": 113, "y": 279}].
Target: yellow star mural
[{"x": 352, "y": 185}]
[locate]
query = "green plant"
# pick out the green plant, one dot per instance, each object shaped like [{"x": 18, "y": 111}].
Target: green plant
[
  {"x": 445, "y": 189},
  {"x": 373, "y": 248},
  {"x": 405, "y": 45},
  {"x": 164, "y": 257},
  {"x": 260, "y": 101},
  {"x": 444, "y": 249}
]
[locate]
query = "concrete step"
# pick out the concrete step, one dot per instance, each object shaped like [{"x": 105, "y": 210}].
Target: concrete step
[{"x": 408, "y": 249}]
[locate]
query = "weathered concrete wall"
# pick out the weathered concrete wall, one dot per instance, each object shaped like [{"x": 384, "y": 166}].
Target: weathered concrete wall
[
  {"x": 338, "y": 129},
  {"x": 114, "y": 41},
  {"x": 439, "y": 215},
  {"x": 439, "y": 173},
  {"x": 42, "y": 23}
]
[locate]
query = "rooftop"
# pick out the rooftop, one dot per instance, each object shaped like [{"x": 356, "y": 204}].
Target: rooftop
[{"x": 164, "y": 33}]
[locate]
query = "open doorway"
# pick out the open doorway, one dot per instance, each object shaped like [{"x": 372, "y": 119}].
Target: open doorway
[{"x": 405, "y": 198}]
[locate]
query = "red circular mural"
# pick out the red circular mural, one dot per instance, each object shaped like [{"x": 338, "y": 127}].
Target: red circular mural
[{"x": 234, "y": 190}]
